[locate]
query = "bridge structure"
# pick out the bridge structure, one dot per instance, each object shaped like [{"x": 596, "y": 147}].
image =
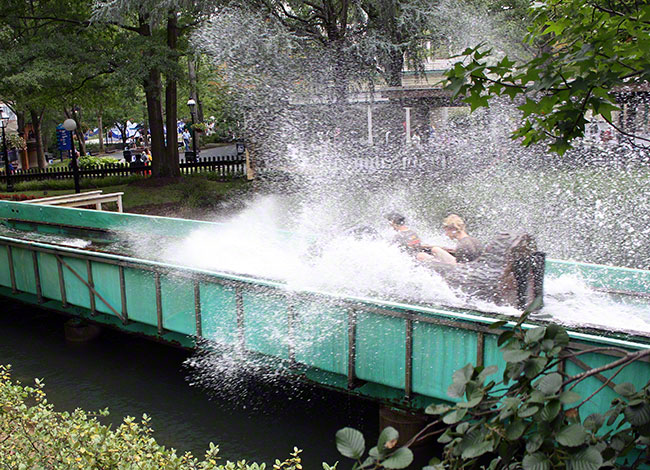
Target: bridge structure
[{"x": 401, "y": 354}]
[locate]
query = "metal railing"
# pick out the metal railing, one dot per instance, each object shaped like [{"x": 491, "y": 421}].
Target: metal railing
[{"x": 352, "y": 307}]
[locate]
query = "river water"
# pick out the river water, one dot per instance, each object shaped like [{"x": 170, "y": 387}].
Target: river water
[{"x": 132, "y": 376}]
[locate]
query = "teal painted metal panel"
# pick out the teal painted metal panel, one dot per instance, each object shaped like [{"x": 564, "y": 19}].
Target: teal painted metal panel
[
  {"x": 381, "y": 349},
  {"x": 178, "y": 304},
  {"x": 106, "y": 279},
  {"x": 219, "y": 313},
  {"x": 438, "y": 351},
  {"x": 321, "y": 337},
  {"x": 76, "y": 291},
  {"x": 165, "y": 226},
  {"x": 24, "y": 270},
  {"x": 266, "y": 324},
  {"x": 5, "y": 277},
  {"x": 49, "y": 274},
  {"x": 140, "y": 296}
]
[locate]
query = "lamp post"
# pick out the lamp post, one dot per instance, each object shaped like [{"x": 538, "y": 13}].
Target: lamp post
[
  {"x": 192, "y": 105},
  {"x": 3, "y": 123},
  {"x": 70, "y": 125}
]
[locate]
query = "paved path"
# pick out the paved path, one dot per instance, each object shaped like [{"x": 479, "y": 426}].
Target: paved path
[{"x": 229, "y": 149}]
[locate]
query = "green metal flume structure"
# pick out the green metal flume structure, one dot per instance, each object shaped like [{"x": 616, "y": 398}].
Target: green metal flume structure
[{"x": 402, "y": 353}]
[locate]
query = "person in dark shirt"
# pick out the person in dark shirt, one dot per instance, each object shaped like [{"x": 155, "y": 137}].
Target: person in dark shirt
[
  {"x": 406, "y": 238},
  {"x": 467, "y": 249}
]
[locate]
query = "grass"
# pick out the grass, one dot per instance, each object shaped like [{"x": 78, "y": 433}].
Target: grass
[{"x": 138, "y": 194}]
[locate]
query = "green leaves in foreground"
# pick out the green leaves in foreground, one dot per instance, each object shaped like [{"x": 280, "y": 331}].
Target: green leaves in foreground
[
  {"x": 33, "y": 435},
  {"x": 530, "y": 419},
  {"x": 351, "y": 443},
  {"x": 581, "y": 52}
]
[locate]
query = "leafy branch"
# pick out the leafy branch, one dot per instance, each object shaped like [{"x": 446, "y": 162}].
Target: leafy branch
[{"x": 528, "y": 419}]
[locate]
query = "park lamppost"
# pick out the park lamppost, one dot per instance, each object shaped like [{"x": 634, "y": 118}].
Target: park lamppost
[
  {"x": 192, "y": 105},
  {"x": 3, "y": 123},
  {"x": 70, "y": 125}
]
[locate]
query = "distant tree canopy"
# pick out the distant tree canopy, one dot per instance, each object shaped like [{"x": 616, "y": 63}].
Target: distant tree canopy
[{"x": 587, "y": 52}]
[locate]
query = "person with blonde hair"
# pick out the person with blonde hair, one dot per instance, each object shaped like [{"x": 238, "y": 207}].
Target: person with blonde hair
[{"x": 467, "y": 248}]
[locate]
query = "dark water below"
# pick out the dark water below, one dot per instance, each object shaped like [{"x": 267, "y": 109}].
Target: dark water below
[{"x": 132, "y": 376}]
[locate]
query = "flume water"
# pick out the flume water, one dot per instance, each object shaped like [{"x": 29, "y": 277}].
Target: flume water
[{"x": 318, "y": 254}]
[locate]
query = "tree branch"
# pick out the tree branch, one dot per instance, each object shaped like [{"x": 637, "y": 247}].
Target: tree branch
[
  {"x": 627, "y": 134},
  {"x": 623, "y": 361}
]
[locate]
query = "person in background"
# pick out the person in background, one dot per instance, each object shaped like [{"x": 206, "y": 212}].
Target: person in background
[
  {"x": 467, "y": 249},
  {"x": 186, "y": 139},
  {"x": 145, "y": 158},
  {"x": 406, "y": 238},
  {"x": 126, "y": 153}
]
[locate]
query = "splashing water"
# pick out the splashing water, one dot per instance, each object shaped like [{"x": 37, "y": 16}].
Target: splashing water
[{"x": 328, "y": 259}]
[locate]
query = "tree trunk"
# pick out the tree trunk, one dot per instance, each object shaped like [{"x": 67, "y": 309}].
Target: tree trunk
[
  {"x": 153, "y": 91},
  {"x": 145, "y": 128},
  {"x": 100, "y": 130},
  {"x": 123, "y": 130},
  {"x": 36, "y": 125},
  {"x": 394, "y": 68},
  {"x": 170, "y": 165},
  {"x": 340, "y": 75}
]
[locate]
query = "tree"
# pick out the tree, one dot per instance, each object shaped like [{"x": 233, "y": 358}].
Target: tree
[
  {"x": 590, "y": 51},
  {"x": 396, "y": 29},
  {"x": 157, "y": 37},
  {"x": 30, "y": 80}
]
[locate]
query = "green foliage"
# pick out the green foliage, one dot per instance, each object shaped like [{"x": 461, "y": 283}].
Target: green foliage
[
  {"x": 589, "y": 49},
  {"x": 14, "y": 141},
  {"x": 85, "y": 183},
  {"x": 529, "y": 419},
  {"x": 197, "y": 192},
  {"x": 521, "y": 421},
  {"x": 199, "y": 127},
  {"x": 90, "y": 162},
  {"x": 34, "y": 435},
  {"x": 351, "y": 444}
]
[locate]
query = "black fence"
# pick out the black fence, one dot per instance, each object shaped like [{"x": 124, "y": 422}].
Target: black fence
[{"x": 227, "y": 166}]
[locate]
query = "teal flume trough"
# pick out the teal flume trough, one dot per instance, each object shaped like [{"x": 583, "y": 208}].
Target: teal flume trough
[{"x": 399, "y": 353}]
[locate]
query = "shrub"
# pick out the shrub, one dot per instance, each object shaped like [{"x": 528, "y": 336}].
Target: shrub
[
  {"x": 199, "y": 127},
  {"x": 85, "y": 183},
  {"x": 199, "y": 193},
  {"x": 88, "y": 161},
  {"x": 16, "y": 197},
  {"x": 529, "y": 420},
  {"x": 33, "y": 435}
]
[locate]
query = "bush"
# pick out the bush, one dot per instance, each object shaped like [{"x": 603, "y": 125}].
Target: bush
[
  {"x": 16, "y": 197},
  {"x": 529, "y": 420},
  {"x": 199, "y": 193},
  {"x": 219, "y": 135},
  {"x": 88, "y": 161},
  {"x": 85, "y": 183},
  {"x": 34, "y": 435}
]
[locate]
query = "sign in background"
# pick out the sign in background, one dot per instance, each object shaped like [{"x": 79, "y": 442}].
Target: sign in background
[{"x": 63, "y": 138}]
